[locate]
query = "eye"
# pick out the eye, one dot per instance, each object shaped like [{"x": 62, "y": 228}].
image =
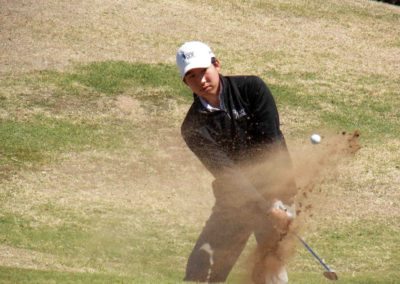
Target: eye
[{"x": 191, "y": 76}]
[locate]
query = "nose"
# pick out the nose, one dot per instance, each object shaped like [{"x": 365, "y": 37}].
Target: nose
[{"x": 203, "y": 78}]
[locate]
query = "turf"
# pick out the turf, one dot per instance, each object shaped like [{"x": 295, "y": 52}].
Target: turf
[{"x": 98, "y": 187}]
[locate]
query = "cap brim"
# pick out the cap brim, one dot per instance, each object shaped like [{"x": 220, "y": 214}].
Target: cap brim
[{"x": 201, "y": 63}]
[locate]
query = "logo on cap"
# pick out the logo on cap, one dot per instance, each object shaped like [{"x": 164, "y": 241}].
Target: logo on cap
[{"x": 187, "y": 55}]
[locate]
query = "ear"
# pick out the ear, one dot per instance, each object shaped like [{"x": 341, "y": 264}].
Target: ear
[{"x": 217, "y": 64}]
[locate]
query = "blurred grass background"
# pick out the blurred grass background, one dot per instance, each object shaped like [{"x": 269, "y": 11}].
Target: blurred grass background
[{"x": 97, "y": 185}]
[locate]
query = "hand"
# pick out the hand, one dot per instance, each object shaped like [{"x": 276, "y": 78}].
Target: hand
[
  {"x": 282, "y": 216},
  {"x": 288, "y": 210}
]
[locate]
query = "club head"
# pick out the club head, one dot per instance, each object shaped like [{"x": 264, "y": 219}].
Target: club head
[{"x": 331, "y": 275}]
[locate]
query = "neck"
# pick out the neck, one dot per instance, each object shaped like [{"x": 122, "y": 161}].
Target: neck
[{"x": 213, "y": 100}]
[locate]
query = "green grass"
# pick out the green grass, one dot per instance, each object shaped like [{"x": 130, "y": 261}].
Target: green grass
[
  {"x": 115, "y": 77},
  {"x": 374, "y": 118},
  {"x": 65, "y": 238},
  {"x": 320, "y": 9},
  {"x": 17, "y": 275},
  {"x": 91, "y": 243},
  {"x": 56, "y": 122},
  {"x": 41, "y": 139},
  {"x": 362, "y": 278},
  {"x": 360, "y": 252},
  {"x": 347, "y": 244},
  {"x": 142, "y": 247},
  {"x": 147, "y": 250},
  {"x": 126, "y": 202},
  {"x": 370, "y": 115}
]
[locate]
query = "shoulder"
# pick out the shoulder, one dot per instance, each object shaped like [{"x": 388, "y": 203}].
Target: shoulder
[
  {"x": 247, "y": 84},
  {"x": 249, "y": 80}
]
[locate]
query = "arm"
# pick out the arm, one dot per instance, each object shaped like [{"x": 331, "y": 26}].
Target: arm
[
  {"x": 235, "y": 185},
  {"x": 265, "y": 113},
  {"x": 269, "y": 136}
]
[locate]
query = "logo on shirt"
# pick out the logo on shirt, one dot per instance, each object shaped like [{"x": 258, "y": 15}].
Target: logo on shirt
[{"x": 238, "y": 114}]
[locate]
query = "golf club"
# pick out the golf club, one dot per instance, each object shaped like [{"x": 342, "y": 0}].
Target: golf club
[
  {"x": 329, "y": 273},
  {"x": 291, "y": 213}
]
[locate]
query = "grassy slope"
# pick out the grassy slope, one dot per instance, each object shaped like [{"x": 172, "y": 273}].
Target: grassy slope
[{"x": 90, "y": 152}]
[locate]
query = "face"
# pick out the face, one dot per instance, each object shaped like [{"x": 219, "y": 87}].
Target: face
[{"x": 204, "y": 82}]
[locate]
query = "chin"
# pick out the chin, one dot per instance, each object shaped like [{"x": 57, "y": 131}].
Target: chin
[{"x": 210, "y": 92}]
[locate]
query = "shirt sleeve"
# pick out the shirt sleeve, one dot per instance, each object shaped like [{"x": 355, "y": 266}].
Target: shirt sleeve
[
  {"x": 268, "y": 133},
  {"x": 265, "y": 112}
]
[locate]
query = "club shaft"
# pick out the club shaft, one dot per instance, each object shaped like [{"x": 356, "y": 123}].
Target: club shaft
[{"x": 314, "y": 254}]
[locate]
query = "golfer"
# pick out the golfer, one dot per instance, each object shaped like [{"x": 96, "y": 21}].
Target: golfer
[{"x": 233, "y": 123}]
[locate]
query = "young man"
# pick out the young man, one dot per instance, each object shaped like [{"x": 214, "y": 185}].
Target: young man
[{"x": 233, "y": 124}]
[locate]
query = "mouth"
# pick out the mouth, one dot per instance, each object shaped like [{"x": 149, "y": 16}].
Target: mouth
[{"x": 206, "y": 88}]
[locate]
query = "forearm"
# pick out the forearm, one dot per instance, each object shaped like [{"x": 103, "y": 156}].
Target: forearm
[
  {"x": 275, "y": 173},
  {"x": 233, "y": 186}
]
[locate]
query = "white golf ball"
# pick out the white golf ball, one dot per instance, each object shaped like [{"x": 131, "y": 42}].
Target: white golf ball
[{"x": 315, "y": 139}]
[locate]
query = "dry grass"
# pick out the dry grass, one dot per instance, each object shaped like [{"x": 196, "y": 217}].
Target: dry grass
[
  {"x": 25, "y": 258},
  {"x": 161, "y": 177},
  {"x": 41, "y": 35}
]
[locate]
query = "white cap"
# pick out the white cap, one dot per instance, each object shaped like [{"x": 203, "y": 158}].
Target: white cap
[{"x": 193, "y": 54}]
